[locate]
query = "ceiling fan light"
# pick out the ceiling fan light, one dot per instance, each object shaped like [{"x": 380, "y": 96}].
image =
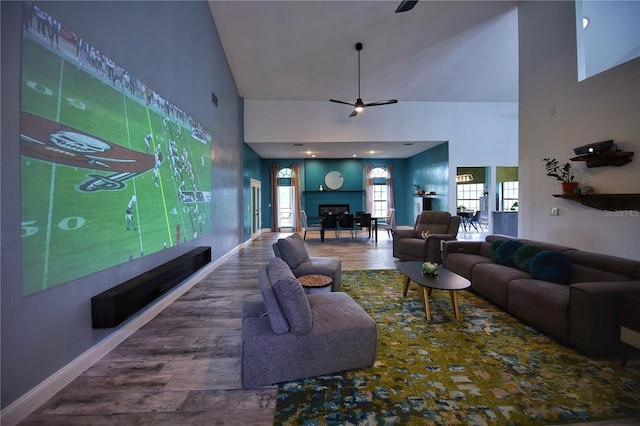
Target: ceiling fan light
[{"x": 359, "y": 108}]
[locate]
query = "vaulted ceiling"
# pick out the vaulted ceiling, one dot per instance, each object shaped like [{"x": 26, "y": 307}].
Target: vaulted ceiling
[{"x": 441, "y": 51}]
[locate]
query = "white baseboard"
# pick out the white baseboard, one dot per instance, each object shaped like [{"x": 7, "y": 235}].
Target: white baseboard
[{"x": 29, "y": 402}]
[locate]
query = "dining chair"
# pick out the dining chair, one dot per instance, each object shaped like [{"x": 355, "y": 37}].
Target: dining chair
[
  {"x": 330, "y": 221},
  {"x": 389, "y": 222},
  {"x": 348, "y": 223},
  {"x": 364, "y": 221},
  {"x": 304, "y": 220},
  {"x": 475, "y": 221}
]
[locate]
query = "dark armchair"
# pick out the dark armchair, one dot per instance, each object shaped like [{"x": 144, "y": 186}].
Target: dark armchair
[{"x": 409, "y": 245}]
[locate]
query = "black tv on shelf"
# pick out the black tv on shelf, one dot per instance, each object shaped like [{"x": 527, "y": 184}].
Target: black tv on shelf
[{"x": 333, "y": 209}]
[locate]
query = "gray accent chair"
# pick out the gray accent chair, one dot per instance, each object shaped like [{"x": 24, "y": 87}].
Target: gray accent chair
[
  {"x": 289, "y": 335},
  {"x": 408, "y": 244},
  {"x": 293, "y": 251},
  {"x": 389, "y": 222}
]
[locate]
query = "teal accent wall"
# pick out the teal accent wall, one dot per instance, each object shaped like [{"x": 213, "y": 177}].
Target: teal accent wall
[
  {"x": 352, "y": 192},
  {"x": 430, "y": 170},
  {"x": 351, "y": 169}
]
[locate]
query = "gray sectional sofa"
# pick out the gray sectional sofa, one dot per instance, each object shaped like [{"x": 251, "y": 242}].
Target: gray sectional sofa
[
  {"x": 580, "y": 310},
  {"x": 290, "y": 335}
]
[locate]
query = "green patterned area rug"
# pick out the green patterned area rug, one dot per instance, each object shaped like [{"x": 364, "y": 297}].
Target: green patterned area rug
[{"x": 486, "y": 369}]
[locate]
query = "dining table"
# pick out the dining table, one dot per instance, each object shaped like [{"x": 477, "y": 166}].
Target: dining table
[{"x": 373, "y": 227}]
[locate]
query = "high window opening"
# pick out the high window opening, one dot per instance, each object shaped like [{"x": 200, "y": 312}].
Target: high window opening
[
  {"x": 469, "y": 194},
  {"x": 507, "y": 188},
  {"x": 509, "y": 195},
  {"x": 379, "y": 177},
  {"x": 286, "y": 198}
]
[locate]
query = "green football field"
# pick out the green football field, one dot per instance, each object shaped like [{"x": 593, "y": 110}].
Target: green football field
[{"x": 76, "y": 189}]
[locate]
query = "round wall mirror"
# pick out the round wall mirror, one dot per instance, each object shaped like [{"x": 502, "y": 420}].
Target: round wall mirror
[{"x": 334, "y": 180}]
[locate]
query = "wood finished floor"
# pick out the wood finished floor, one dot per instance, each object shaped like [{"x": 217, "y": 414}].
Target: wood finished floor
[{"x": 183, "y": 367}]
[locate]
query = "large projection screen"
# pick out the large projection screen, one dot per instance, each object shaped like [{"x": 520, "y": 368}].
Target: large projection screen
[{"x": 110, "y": 170}]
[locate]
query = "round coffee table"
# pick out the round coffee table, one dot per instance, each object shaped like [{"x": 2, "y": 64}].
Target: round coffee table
[
  {"x": 445, "y": 280},
  {"x": 316, "y": 283}
]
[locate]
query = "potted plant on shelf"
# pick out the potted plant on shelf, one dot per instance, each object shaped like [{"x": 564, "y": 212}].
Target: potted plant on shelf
[
  {"x": 419, "y": 190},
  {"x": 561, "y": 172}
]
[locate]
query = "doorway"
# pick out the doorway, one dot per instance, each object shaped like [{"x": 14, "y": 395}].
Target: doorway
[
  {"x": 286, "y": 199},
  {"x": 255, "y": 207}
]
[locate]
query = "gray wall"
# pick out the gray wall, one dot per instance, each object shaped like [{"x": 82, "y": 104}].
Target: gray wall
[
  {"x": 174, "y": 48},
  {"x": 559, "y": 113}
]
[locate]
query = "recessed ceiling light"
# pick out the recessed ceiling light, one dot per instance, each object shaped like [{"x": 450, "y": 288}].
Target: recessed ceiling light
[
  {"x": 313, "y": 156},
  {"x": 354, "y": 155},
  {"x": 585, "y": 22}
]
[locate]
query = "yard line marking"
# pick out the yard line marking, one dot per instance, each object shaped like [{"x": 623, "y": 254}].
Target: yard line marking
[
  {"x": 135, "y": 191},
  {"x": 164, "y": 200},
  {"x": 52, "y": 187}
]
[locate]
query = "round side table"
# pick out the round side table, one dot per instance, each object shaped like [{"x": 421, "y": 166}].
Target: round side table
[{"x": 316, "y": 283}]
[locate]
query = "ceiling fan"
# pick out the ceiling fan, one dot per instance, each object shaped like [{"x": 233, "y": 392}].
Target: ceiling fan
[
  {"x": 406, "y": 5},
  {"x": 358, "y": 106}
]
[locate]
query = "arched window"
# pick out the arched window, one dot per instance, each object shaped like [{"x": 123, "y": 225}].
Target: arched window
[
  {"x": 379, "y": 172},
  {"x": 284, "y": 172},
  {"x": 379, "y": 178}
]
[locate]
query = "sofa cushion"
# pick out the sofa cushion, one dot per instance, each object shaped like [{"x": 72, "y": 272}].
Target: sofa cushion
[
  {"x": 293, "y": 250},
  {"x": 490, "y": 280},
  {"x": 493, "y": 248},
  {"x": 290, "y": 296},
  {"x": 506, "y": 251},
  {"x": 551, "y": 266},
  {"x": 522, "y": 257},
  {"x": 279, "y": 324},
  {"x": 543, "y": 304}
]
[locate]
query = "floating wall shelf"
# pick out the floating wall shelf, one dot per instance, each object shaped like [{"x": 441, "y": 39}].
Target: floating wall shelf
[
  {"x": 605, "y": 201},
  {"x": 615, "y": 158}
]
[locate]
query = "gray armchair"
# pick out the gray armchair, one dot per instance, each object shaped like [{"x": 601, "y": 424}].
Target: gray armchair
[
  {"x": 293, "y": 251},
  {"x": 408, "y": 245}
]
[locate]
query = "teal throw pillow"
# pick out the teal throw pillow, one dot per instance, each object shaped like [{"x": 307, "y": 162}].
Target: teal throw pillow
[
  {"x": 492, "y": 249},
  {"x": 522, "y": 257},
  {"x": 551, "y": 266},
  {"x": 504, "y": 253}
]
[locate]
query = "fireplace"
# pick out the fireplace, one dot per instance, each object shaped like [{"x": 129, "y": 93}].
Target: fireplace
[{"x": 333, "y": 209}]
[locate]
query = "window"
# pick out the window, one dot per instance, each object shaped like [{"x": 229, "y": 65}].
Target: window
[
  {"x": 509, "y": 195},
  {"x": 469, "y": 195},
  {"x": 286, "y": 198},
  {"x": 379, "y": 177},
  {"x": 284, "y": 173}
]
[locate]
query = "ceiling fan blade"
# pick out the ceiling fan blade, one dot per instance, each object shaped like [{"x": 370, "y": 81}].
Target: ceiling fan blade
[
  {"x": 353, "y": 113},
  {"x": 341, "y": 102},
  {"x": 387, "y": 102},
  {"x": 406, "y": 5}
]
